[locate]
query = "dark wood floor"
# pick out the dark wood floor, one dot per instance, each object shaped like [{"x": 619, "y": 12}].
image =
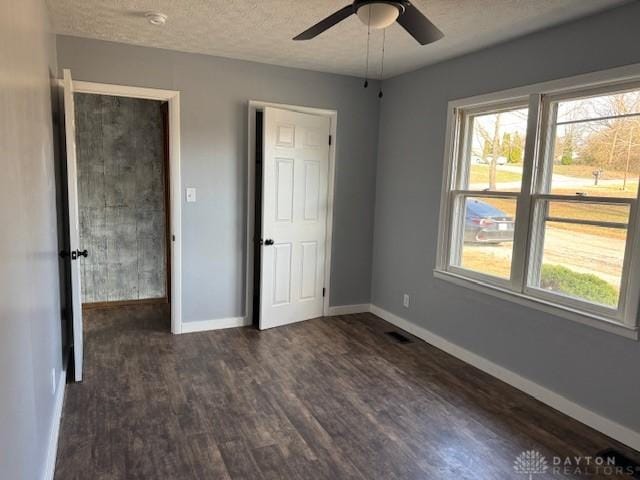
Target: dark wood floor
[{"x": 330, "y": 398}]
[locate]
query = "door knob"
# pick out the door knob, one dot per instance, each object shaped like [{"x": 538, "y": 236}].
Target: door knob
[{"x": 268, "y": 241}]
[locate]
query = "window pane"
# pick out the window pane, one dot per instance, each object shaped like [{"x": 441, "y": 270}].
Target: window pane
[
  {"x": 597, "y": 157},
  {"x": 580, "y": 260},
  {"x": 587, "y": 211},
  {"x": 487, "y": 235},
  {"x": 599, "y": 106},
  {"x": 496, "y": 150}
]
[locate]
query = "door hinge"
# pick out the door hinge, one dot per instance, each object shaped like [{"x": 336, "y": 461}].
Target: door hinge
[
  {"x": 330, "y": 139},
  {"x": 324, "y": 290},
  {"x": 173, "y": 238}
]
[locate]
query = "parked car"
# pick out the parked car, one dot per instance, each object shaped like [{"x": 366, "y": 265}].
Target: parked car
[
  {"x": 499, "y": 161},
  {"x": 484, "y": 223}
]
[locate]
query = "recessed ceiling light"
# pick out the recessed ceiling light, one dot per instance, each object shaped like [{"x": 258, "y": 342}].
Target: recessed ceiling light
[{"x": 156, "y": 18}]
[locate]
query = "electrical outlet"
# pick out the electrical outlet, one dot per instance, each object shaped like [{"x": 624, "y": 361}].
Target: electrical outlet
[
  {"x": 405, "y": 300},
  {"x": 53, "y": 381}
]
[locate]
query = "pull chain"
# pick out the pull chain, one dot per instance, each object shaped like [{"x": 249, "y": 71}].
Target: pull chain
[
  {"x": 366, "y": 76},
  {"x": 384, "y": 37}
]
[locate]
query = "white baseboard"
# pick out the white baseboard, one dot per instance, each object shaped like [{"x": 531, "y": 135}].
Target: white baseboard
[
  {"x": 349, "y": 309},
  {"x": 598, "y": 422},
  {"x": 215, "y": 324},
  {"x": 52, "y": 451}
]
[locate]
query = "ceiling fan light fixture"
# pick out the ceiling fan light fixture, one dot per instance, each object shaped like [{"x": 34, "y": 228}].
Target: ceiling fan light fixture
[{"x": 378, "y": 15}]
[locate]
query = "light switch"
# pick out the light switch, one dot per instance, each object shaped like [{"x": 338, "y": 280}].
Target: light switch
[{"x": 191, "y": 194}]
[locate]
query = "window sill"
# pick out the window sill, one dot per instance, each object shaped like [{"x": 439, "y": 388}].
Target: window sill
[{"x": 594, "y": 321}]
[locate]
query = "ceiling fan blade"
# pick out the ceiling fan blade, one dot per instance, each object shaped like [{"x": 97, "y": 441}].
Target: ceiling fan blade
[
  {"x": 326, "y": 24},
  {"x": 419, "y": 26}
]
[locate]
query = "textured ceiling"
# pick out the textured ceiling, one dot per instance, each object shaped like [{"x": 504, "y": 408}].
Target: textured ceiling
[{"x": 261, "y": 30}]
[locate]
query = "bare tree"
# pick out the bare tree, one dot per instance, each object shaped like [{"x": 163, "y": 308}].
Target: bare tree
[
  {"x": 626, "y": 169},
  {"x": 600, "y": 124},
  {"x": 495, "y": 152}
]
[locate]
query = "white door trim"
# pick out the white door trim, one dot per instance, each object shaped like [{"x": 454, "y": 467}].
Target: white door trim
[
  {"x": 74, "y": 225},
  {"x": 254, "y": 106},
  {"x": 175, "y": 201}
]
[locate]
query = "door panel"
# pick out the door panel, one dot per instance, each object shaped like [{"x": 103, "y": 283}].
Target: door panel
[
  {"x": 281, "y": 273},
  {"x": 284, "y": 189},
  {"x": 309, "y": 266},
  {"x": 294, "y": 216},
  {"x": 74, "y": 224},
  {"x": 286, "y": 136},
  {"x": 315, "y": 137},
  {"x": 311, "y": 190}
]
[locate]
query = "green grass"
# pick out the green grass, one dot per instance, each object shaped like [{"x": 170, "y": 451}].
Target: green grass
[{"x": 480, "y": 174}]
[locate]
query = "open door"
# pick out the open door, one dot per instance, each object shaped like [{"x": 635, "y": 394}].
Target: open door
[
  {"x": 74, "y": 225},
  {"x": 294, "y": 216}
]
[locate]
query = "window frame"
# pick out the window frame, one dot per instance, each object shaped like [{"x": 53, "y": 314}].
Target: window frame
[
  {"x": 458, "y": 194},
  {"x": 528, "y": 234}
]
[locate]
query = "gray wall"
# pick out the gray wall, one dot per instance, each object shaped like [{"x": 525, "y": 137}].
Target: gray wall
[
  {"x": 596, "y": 369},
  {"x": 214, "y": 96},
  {"x": 120, "y": 150},
  {"x": 30, "y": 343}
]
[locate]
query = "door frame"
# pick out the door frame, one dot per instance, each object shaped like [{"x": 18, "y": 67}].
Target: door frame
[
  {"x": 253, "y": 107},
  {"x": 175, "y": 191}
]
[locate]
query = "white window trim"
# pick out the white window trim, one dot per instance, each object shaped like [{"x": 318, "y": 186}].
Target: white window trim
[{"x": 516, "y": 288}]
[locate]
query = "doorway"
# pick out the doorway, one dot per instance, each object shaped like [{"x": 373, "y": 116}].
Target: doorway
[
  {"x": 123, "y": 200},
  {"x": 156, "y": 276},
  {"x": 291, "y": 172}
]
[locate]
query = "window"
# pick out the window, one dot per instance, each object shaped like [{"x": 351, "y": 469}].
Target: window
[
  {"x": 489, "y": 184},
  {"x": 540, "y": 200}
]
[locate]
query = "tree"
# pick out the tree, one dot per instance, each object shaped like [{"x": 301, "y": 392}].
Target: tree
[
  {"x": 608, "y": 138},
  {"x": 512, "y": 147},
  {"x": 567, "y": 147},
  {"x": 499, "y": 134},
  {"x": 626, "y": 168},
  {"x": 495, "y": 151}
]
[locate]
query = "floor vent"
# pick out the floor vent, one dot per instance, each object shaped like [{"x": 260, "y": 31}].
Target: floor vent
[
  {"x": 398, "y": 337},
  {"x": 631, "y": 467}
]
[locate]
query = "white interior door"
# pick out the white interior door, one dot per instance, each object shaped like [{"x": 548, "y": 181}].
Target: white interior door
[
  {"x": 294, "y": 216},
  {"x": 74, "y": 223}
]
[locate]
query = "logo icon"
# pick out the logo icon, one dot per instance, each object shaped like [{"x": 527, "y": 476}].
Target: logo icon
[{"x": 530, "y": 462}]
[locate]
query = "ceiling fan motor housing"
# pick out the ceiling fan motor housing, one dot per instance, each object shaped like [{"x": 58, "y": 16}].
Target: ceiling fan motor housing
[{"x": 378, "y": 14}]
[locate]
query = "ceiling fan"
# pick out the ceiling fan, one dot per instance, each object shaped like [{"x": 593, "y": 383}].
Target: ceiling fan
[{"x": 378, "y": 14}]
